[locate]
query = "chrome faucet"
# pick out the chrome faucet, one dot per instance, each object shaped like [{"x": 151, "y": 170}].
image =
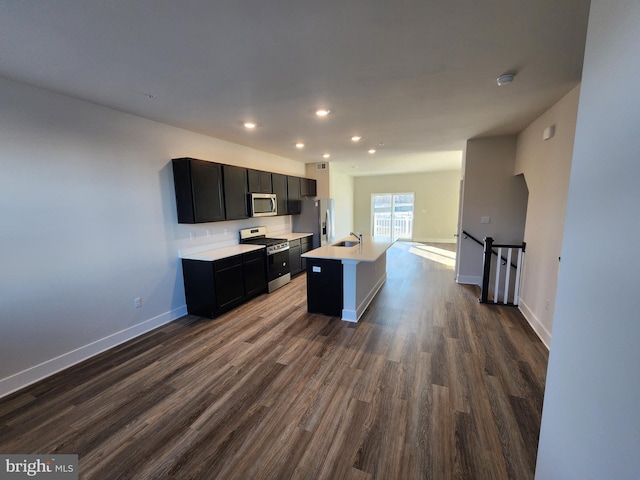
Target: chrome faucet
[{"x": 357, "y": 235}]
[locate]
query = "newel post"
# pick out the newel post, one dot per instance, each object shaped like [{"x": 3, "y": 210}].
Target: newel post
[{"x": 486, "y": 269}]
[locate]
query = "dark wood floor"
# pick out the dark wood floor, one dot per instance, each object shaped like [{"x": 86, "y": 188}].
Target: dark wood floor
[{"x": 429, "y": 385}]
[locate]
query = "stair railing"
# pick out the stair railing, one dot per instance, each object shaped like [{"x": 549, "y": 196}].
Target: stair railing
[{"x": 500, "y": 261}]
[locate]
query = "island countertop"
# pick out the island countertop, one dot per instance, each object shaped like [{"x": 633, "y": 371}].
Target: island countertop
[{"x": 369, "y": 251}]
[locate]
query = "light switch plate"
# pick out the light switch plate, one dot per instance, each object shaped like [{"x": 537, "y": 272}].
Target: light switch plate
[{"x": 486, "y": 219}]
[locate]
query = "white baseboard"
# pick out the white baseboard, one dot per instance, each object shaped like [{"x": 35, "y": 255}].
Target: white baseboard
[
  {"x": 33, "y": 374},
  {"x": 435, "y": 240},
  {"x": 354, "y": 316},
  {"x": 469, "y": 280},
  {"x": 538, "y": 327}
]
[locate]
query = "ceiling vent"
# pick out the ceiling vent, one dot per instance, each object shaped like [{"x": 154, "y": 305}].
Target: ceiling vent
[{"x": 321, "y": 166}]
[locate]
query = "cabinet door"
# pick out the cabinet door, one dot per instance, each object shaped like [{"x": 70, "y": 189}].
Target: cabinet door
[
  {"x": 255, "y": 273},
  {"x": 199, "y": 288},
  {"x": 293, "y": 195},
  {"x": 229, "y": 281},
  {"x": 304, "y": 187},
  {"x": 313, "y": 187},
  {"x": 198, "y": 186},
  {"x": 235, "y": 192},
  {"x": 294, "y": 261},
  {"x": 324, "y": 286},
  {"x": 259, "y": 182},
  {"x": 305, "y": 246},
  {"x": 279, "y": 183}
]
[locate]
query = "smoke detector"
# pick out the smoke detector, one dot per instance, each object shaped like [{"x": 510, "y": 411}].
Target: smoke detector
[{"x": 505, "y": 78}]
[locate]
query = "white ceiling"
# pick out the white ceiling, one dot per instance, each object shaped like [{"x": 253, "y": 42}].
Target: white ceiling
[{"x": 418, "y": 76}]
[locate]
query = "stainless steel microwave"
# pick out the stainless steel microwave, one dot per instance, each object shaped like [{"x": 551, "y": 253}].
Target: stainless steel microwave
[{"x": 263, "y": 204}]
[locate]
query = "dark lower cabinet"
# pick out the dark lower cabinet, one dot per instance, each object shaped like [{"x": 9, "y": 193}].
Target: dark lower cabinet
[
  {"x": 296, "y": 249},
  {"x": 212, "y": 288},
  {"x": 295, "y": 262},
  {"x": 255, "y": 273},
  {"x": 228, "y": 282},
  {"x": 305, "y": 246},
  {"x": 324, "y": 287}
]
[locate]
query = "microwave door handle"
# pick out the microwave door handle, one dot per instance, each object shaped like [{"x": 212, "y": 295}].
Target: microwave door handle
[{"x": 273, "y": 205}]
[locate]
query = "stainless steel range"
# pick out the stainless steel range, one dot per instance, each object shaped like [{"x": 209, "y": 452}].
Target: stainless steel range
[{"x": 277, "y": 252}]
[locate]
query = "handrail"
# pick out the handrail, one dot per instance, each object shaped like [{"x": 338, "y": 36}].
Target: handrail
[
  {"x": 504, "y": 260},
  {"x": 486, "y": 271},
  {"x": 468, "y": 235}
]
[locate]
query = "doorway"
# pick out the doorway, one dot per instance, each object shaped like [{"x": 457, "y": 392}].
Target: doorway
[{"x": 392, "y": 216}]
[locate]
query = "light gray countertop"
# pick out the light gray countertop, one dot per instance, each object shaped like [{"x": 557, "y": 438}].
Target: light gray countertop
[
  {"x": 369, "y": 251},
  {"x": 294, "y": 236},
  {"x": 220, "y": 253}
]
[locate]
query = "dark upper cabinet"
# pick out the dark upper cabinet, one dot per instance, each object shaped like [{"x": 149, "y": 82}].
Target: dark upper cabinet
[
  {"x": 308, "y": 187},
  {"x": 293, "y": 195},
  {"x": 199, "y": 193},
  {"x": 235, "y": 192},
  {"x": 259, "y": 182},
  {"x": 279, "y": 184}
]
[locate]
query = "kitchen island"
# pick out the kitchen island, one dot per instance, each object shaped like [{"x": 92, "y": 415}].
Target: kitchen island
[{"x": 344, "y": 277}]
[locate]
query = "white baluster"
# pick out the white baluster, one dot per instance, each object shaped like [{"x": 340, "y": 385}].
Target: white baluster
[
  {"x": 496, "y": 293},
  {"x": 507, "y": 277},
  {"x": 516, "y": 292}
]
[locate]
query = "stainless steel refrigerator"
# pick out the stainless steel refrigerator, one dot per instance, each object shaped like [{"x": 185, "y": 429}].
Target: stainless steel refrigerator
[{"x": 317, "y": 217}]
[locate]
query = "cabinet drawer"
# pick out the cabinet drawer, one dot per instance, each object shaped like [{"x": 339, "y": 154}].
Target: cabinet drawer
[
  {"x": 255, "y": 255},
  {"x": 294, "y": 243},
  {"x": 226, "y": 263}
]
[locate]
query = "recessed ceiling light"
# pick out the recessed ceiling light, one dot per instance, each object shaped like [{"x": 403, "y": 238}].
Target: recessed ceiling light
[
  {"x": 372, "y": 150},
  {"x": 299, "y": 145},
  {"x": 326, "y": 155},
  {"x": 250, "y": 125},
  {"x": 323, "y": 112},
  {"x": 355, "y": 138}
]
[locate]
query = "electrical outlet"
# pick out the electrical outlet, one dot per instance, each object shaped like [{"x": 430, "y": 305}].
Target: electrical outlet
[
  {"x": 137, "y": 302},
  {"x": 192, "y": 235},
  {"x": 546, "y": 304}
]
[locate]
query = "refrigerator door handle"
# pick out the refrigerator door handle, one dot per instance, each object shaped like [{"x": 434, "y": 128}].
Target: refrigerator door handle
[{"x": 328, "y": 220}]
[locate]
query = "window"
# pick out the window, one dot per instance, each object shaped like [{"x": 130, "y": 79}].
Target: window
[{"x": 392, "y": 215}]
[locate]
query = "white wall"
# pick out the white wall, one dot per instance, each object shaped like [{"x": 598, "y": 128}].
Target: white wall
[
  {"x": 342, "y": 192},
  {"x": 546, "y": 165},
  {"x": 435, "y": 207},
  {"x": 88, "y": 219},
  {"x": 490, "y": 189},
  {"x": 590, "y": 422},
  {"x": 323, "y": 182}
]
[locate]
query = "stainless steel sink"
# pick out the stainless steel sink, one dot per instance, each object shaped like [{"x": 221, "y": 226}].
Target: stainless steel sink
[{"x": 346, "y": 243}]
